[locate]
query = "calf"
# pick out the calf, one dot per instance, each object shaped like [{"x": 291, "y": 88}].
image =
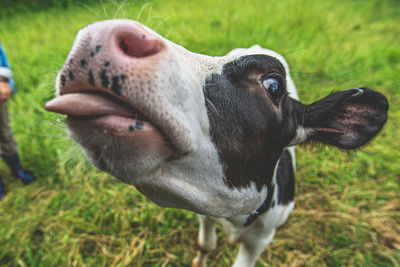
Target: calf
[{"x": 213, "y": 135}]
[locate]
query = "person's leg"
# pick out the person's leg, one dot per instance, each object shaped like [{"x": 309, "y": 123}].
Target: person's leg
[
  {"x": 1, "y": 189},
  {"x": 9, "y": 149}
]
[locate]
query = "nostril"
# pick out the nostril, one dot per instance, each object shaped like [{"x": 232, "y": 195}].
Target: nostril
[
  {"x": 125, "y": 48},
  {"x": 138, "y": 44}
]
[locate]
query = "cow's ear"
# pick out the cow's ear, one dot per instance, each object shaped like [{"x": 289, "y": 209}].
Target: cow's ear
[{"x": 346, "y": 119}]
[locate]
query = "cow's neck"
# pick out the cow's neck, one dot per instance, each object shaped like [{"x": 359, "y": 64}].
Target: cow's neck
[{"x": 201, "y": 188}]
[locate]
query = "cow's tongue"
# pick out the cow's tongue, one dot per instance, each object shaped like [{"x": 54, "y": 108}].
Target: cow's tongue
[{"x": 84, "y": 104}]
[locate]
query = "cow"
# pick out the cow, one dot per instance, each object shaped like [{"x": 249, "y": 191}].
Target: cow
[{"x": 212, "y": 135}]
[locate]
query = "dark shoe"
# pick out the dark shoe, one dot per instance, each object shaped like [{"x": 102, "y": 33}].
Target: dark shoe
[
  {"x": 16, "y": 169},
  {"x": 1, "y": 189}
]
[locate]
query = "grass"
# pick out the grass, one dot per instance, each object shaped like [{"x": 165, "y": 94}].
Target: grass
[{"x": 347, "y": 206}]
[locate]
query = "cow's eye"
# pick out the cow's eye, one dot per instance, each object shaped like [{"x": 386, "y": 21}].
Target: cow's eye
[{"x": 274, "y": 88}]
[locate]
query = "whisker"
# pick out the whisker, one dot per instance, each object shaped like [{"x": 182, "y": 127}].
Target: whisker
[{"x": 214, "y": 109}]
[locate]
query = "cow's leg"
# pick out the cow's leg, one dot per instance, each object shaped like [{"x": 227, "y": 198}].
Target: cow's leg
[
  {"x": 207, "y": 240},
  {"x": 253, "y": 243}
]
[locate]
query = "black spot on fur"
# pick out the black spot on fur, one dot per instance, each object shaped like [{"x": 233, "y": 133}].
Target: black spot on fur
[
  {"x": 83, "y": 62},
  {"x": 91, "y": 78},
  {"x": 71, "y": 75},
  {"x": 284, "y": 185},
  {"x": 92, "y": 54},
  {"x": 106, "y": 64},
  {"x": 285, "y": 179},
  {"x": 247, "y": 128},
  {"x": 63, "y": 80},
  {"x": 243, "y": 121},
  {"x": 116, "y": 87},
  {"x": 98, "y": 48},
  {"x": 105, "y": 81},
  {"x": 263, "y": 208}
]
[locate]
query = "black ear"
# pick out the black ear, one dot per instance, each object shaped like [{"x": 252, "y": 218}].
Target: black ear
[{"x": 346, "y": 119}]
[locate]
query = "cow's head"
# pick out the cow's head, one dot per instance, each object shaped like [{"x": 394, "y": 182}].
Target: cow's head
[{"x": 193, "y": 131}]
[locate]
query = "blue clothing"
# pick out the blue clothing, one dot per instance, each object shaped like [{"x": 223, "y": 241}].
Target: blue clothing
[{"x": 5, "y": 69}]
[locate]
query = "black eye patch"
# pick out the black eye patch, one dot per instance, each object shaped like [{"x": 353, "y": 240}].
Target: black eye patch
[
  {"x": 241, "y": 68},
  {"x": 243, "y": 122}
]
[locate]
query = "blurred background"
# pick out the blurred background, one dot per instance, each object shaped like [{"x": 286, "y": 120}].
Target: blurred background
[{"x": 347, "y": 206}]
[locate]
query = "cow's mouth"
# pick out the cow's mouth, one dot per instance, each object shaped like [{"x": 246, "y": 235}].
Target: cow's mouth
[
  {"x": 110, "y": 116},
  {"x": 96, "y": 106}
]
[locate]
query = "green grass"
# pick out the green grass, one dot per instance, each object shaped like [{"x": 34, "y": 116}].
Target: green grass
[{"x": 348, "y": 206}]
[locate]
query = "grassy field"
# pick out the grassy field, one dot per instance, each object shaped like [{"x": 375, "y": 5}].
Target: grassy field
[{"x": 348, "y": 207}]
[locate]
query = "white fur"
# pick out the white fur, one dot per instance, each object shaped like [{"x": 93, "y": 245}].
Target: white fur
[{"x": 301, "y": 135}]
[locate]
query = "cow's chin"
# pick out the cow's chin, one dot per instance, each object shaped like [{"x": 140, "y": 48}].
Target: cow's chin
[{"x": 125, "y": 154}]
